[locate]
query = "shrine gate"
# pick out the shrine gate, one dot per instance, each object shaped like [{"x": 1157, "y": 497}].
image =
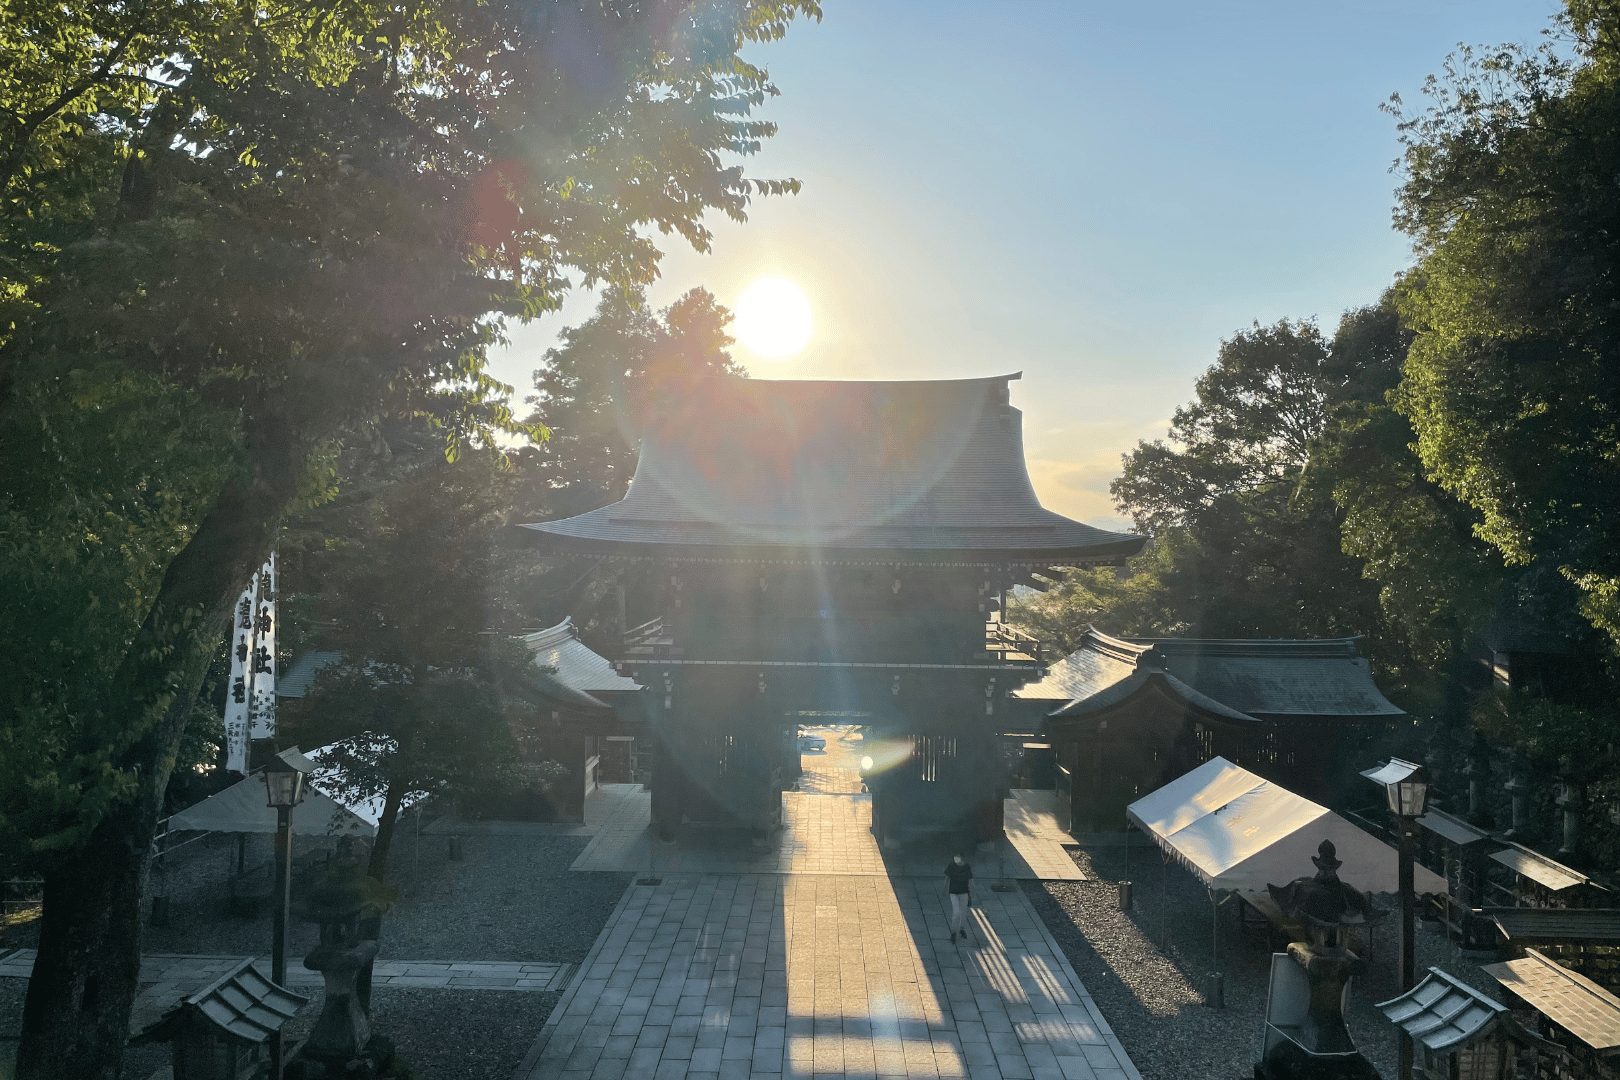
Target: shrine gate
[{"x": 797, "y": 551}]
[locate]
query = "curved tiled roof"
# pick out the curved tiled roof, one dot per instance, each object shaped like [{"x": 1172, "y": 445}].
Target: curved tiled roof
[
  {"x": 1140, "y": 681},
  {"x": 1252, "y": 678},
  {"x": 1442, "y": 1012},
  {"x": 577, "y": 673},
  {"x": 926, "y": 466}
]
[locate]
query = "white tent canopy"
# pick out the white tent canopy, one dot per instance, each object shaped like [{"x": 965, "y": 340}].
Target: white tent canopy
[
  {"x": 1239, "y": 833},
  {"x": 324, "y": 811}
]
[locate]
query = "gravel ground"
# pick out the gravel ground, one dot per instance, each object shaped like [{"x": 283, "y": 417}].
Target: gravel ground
[
  {"x": 11, "y": 1003},
  {"x": 1145, "y": 968},
  {"x": 461, "y": 1034},
  {"x": 441, "y": 1034},
  {"x": 510, "y": 897}
]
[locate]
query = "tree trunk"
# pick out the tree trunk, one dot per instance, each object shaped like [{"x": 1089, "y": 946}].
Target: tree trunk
[
  {"x": 377, "y": 867},
  {"x": 76, "y": 1013}
]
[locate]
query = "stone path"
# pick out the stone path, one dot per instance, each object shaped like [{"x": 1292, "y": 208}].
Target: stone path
[
  {"x": 175, "y": 974},
  {"x": 778, "y": 976},
  {"x": 829, "y": 834},
  {"x": 835, "y": 770},
  {"x": 1030, "y": 821}
]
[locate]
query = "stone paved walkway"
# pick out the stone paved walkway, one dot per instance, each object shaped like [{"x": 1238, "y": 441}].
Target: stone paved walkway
[
  {"x": 830, "y": 834},
  {"x": 776, "y": 976}
]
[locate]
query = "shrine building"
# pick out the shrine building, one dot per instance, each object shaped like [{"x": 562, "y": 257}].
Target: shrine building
[
  {"x": 1126, "y": 716},
  {"x": 798, "y": 552}
]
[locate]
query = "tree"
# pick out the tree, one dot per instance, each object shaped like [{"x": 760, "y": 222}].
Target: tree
[
  {"x": 1132, "y": 600},
  {"x": 1437, "y": 584},
  {"x": 584, "y": 391},
  {"x": 422, "y": 700},
  {"x": 1244, "y": 554},
  {"x": 271, "y": 224},
  {"x": 584, "y": 388},
  {"x": 1512, "y": 385}
]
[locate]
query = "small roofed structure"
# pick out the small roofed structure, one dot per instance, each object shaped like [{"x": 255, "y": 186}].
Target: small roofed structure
[
  {"x": 1125, "y": 716},
  {"x": 593, "y": 716},
  {"x": 299, "y": 676},
  {"x": 572, "y": 664},
  {"x": 1459, "y": 1032},
  {"x": 1569, "y": 1009},
  {"x": 1537, "y": 881},
  {"x": 1524, "y": 926},
  {"x": 222, "y": 1031}
]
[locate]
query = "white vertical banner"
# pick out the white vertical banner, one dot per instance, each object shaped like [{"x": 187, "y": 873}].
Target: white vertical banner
[
  {"x": 236, "y": 693},
  {"x": 262, "y": 697}
]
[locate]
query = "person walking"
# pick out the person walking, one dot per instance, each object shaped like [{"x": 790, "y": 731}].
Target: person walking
[{"x": 958, "y": 872}]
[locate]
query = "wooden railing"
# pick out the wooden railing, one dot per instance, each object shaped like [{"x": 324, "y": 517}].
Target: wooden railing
[
  {"x": 1008, "y": 642},
  {"x": 652, "y": 640}
]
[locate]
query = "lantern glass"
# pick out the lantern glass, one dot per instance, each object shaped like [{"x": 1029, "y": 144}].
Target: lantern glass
[
  {"x": 1405, "y": 784},
  {"x": 1413, "y": 794},
  {"x": 283, "y": 784}
]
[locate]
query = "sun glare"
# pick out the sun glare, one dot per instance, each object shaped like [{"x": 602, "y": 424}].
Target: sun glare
[{"x": 773, "y": 318}]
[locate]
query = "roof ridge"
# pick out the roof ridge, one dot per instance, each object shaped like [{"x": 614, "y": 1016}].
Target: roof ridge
[
  {"x": 1335, "y": 646},
  {"x": 700, "y": 376},
  {"x": 1116, "y": 648},
  {"x": 559, "y": 632}
]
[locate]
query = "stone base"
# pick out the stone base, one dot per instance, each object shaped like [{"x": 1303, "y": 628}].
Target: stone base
[{"x": 1288, "y": 1061}]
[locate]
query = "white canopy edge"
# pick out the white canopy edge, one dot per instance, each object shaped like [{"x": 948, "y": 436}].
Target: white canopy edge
[
  {"x": 324, "y": 811},
  {"x": 1238, "y": 832}
]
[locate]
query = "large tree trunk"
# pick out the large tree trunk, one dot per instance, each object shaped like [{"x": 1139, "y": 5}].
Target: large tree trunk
[
  {"x": 387, "y": 821},
  {"x": 76, "y": 1014}
]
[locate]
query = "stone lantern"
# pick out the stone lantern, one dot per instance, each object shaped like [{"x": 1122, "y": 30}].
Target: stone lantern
[
  {"x": 345, "y": 905},
  {"x": 1305, "y": 1033}
]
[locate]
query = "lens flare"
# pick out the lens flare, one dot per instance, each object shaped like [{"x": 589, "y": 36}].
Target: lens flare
[{"x": 773, "y": 318}]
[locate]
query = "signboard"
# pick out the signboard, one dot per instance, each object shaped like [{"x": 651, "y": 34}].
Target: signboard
[
  {"x": 262, "y": 695},
  {"x": 250, "y": 697}
]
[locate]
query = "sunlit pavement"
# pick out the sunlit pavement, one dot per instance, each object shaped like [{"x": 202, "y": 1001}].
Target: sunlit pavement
[
  {"x": 835, "y": 769},
  {"x": 785, "y": 975},
  {"x": 828, "y": 834}
]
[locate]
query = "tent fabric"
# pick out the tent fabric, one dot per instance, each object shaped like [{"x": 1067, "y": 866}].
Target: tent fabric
[
  {"x": 1239, "y": 833},
  {"x": 324, "y": 811},
  {"x": 242, "y": 808}
]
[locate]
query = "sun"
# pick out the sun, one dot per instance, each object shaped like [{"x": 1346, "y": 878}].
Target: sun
[{"x": 773, "y": 318}]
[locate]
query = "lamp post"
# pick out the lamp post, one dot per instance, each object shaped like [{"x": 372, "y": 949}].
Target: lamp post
[
  {"x": 284, "y": 789},
  {"x": 1406, "y": 790}
]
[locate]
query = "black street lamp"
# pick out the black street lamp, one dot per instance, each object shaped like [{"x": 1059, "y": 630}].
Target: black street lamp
[
  {"x": 1406, "y": 789},
  {"x": 284, "y": 789}
]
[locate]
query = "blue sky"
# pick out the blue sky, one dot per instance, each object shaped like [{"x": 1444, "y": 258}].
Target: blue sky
[{"x": 1094, "y": 194}]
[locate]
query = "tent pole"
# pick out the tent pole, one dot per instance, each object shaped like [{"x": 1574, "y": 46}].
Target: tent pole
[
  {"x": 1214, "y": 932},
  {"x": 1164, "y": 902}
]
